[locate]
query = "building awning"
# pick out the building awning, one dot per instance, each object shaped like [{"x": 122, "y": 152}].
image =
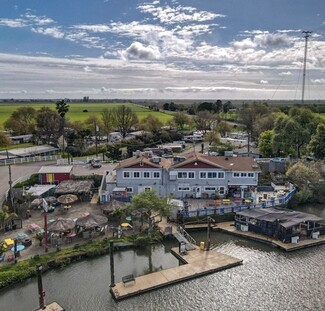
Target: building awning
[{"x": 119, "y": 189}]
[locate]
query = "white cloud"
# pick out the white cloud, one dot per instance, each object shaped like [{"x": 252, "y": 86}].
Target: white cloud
[
  {"x": 264, "y": 82},
  {"x": 179, "y": 14},
  {"x": 318, "y": 81},
  {"x": 138, "y": 51},
  {"x": 13, "y": 23},
  {"x": 272, "y": 40},
  {"x": 54, "y": 32},
  {"x": 287, "y": 73}
]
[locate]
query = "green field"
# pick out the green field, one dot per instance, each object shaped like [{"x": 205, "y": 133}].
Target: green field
[{"x": 76, "y": 110}]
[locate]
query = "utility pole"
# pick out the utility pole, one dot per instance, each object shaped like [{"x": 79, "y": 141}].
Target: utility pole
[
  {"x": 41, "y": 293},
  {"x": 306, "y": 36},
  {"x": 96, "y": 131},
  {"x": 111, "y": 257},
  {"x": 10, "y": 186}
]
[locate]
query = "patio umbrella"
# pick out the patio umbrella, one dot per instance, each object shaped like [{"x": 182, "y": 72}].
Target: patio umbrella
[
  {"x": 91, "y": 221},
  {"x": 36, "y": 202},
  {"x": 111, "y": 206},
  {"x": 33, "y": 227},
  {"x": 125, "y": 224},
  {"x": 67, "y": 198},
  {"x": 61, "y": 225}
]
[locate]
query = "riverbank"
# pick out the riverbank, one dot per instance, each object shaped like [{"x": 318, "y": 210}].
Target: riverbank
[{"x": 25, "y": 269}]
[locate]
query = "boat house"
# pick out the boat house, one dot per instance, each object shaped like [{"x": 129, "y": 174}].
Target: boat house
[{"x": 283, "y": 224}]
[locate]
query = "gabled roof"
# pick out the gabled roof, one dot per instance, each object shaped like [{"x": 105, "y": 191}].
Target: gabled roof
[
  {"x": 139, "y": 161},
  {"x": 226, "y": 163}
]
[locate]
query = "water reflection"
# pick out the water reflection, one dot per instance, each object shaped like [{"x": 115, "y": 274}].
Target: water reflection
[{"x": 269, "y": 279}]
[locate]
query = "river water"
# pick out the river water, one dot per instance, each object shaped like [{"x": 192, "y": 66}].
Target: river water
[{"x": 269, "y": 279}]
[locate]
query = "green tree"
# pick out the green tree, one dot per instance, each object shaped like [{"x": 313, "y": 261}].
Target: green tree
[
  {"x": 204, "y": 120},
  {"x": 265, "y": 144},
  {"x": 4, "y": 140},
  {"x": 62, "y": 108},
  {"x": 22, "y": 121},
  {"x": 304, "y": 176},
  {"x": 6, "y": 216},
  {"x": 317, "y": 143},
  {"x": 124, "y": 119},
  {"x": 293, "y": 132},
  {"x": 107, "y": 122},
  {"x": 151, "y": 124},
  {"x": 149, "y": 205},
  {"x": 180, "y": 119},
  {"x": 223, "y": 127},
  {"x": 48, "y": 125}
]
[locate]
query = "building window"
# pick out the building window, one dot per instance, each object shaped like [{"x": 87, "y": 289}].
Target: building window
[
  {"x": 191, "y": 175},
  {"x": 129, "y": 190},
  {"x": 182, "y": 175},
  {"x": 210, "y": 188},
  {"x": 243, "y": 175},
  {"x": 221, "y": 190},
  {"x": 147, "y": 188},
  {"x": 236, "y": 174},
  {"x": 212, "y": 174},
  {"x": 221, "y": 175},
  {"x": 126, "y": 175},
  {"x": 136, "y": 174},
  {"x": 146, "y": 174},
  {"x": 184, "y": 188},
  {"x": 156, "y": 174},
  {"x": 251, "y": 175},
  {"x": 203, "y": 175}
]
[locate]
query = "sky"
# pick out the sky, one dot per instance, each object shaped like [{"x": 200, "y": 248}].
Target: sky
[{"x": 174, "y": 49}]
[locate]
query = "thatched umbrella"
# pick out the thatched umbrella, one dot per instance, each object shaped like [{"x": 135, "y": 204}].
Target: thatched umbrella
[
  {"x": 111, "y": 206},
  {"x": 91, "y": 221},
  {"x": 61, "y": 225},
  {"x": 51, "y": 199},
  {"x": 67, "y": 198},
  {"x": 36, "y": 202}
]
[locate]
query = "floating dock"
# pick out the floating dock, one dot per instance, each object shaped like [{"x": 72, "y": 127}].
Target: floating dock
[
  {"x": 229, "y": 227},
  {"x": 196, "y": 263}
]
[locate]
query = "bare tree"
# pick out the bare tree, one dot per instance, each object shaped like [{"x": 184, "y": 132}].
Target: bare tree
[{"x": 124, "y": 119}]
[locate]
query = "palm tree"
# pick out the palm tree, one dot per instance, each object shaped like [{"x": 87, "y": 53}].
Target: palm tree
[{"x": 6, "y": 216}]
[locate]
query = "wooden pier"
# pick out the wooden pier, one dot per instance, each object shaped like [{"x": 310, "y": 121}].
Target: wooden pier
[
  {"x": 196, "y": 263},
  {"x": 229, "y": 227}
]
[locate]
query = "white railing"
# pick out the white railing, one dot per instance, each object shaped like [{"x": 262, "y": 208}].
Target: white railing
[{"x": 186, "y": 235}]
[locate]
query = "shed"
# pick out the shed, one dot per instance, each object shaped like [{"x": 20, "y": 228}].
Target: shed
[{"x": 54, "y": 174}]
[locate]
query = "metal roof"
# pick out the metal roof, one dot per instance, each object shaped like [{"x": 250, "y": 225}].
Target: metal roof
[
  {"x": 285, "y": 217},
  {"x": 52, "y": 169}
]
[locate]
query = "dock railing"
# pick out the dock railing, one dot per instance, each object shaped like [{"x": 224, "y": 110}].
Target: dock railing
[
  {"x": 221, "y": 210},
  {"x": 185, "y": 234}
]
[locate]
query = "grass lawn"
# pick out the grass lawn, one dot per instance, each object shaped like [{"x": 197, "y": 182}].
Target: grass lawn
[{"x": 76, "y": 110}]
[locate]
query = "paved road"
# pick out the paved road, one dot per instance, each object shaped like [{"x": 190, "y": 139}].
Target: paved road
[{"x": 22, "y": 170}]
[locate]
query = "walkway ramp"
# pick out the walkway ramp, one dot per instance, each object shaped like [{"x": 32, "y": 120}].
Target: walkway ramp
[{"x": 178, "y": 232}]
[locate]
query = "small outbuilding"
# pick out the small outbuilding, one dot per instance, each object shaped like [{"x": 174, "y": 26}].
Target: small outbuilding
[
  {"x": 54, "y": 174},
  {"x": 286, "y": 225}
]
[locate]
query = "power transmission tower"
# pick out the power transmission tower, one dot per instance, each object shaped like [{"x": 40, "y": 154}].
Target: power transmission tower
[{"x": 306, "y": 36}]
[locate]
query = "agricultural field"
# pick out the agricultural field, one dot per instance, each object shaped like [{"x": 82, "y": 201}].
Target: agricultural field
[{"x": 81, "y": 111}]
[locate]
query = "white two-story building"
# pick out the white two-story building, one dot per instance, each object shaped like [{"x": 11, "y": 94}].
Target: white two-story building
[{"x": 193, "y": 175}]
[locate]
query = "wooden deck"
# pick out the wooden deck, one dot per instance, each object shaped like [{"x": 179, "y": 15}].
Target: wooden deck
[
  {"x": 197, "y": 263},
  {"x": 229, "y": 227}
]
